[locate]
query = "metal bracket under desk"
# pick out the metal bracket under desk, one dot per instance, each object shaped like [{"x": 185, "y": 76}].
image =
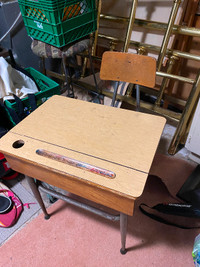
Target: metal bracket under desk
[{"x": 122, "y": 217}]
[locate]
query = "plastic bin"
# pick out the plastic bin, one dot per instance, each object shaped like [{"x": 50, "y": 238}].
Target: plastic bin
[
  {"x": 59, "y": 22},
  {"x": 47, "y": 86}
]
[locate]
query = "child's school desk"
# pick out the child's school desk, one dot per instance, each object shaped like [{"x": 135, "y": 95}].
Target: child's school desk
[{"x": 100, "y": 153}]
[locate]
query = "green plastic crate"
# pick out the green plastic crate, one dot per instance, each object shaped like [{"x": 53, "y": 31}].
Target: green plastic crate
[
  {"x": 50, "y": 4},
  {"x": 47, "y": 86},
  {"x": 66, "y": 22},
  {"x": 62, "y": 39}
]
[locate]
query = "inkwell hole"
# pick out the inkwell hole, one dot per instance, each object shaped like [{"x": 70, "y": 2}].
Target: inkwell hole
[{"x": 18, "y": 144}]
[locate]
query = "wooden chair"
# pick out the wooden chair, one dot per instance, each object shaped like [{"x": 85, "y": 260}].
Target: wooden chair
[{"x": 128, "y": 67}]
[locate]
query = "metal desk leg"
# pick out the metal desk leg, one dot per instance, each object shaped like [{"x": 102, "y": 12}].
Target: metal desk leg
[
  {"x": 123, "y": 230},
  {"x": 137, "y": 97},
  {"x": 116, "y": 86},
  {"x": 38, "y": 196}
]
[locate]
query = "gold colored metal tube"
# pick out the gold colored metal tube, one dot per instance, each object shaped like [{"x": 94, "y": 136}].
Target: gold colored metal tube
[
  {"x": 110, "y": 38},
  {"x": 184, "y": 55},
  {"x": 97, "y": 31},
  {"x": 130, "y": 25},
  {"x": 154, "y": 25},
  {"x": 154, "y": 48},
  {"x": 168, "y": 51},
  {"x": 114, "y": 18},
  {"x": 168, "y": 33},
  {"x": 175, "y": 77},
  {"x": 160, "y": 26},
  {"x": 186, "y": 114},
  {"x": 171, "y": 63},
  {"x": 187, "y": 31}
]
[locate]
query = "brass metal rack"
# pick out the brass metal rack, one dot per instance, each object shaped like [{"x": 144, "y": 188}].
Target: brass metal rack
[{"x": 182, "y": 119}]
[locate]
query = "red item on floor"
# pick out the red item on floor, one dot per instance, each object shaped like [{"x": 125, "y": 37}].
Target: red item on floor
[
  {"x": 10, "y": 217},
  {"x": 6, "y": 172}
]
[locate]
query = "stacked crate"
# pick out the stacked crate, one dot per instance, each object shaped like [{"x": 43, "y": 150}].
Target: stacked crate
[{"x": 59, "y": 22}]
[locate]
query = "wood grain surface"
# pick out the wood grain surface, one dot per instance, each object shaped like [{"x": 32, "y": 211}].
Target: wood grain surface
[
  {"x": 121, "y": 141},
  {"x": 128, "y": 67}
]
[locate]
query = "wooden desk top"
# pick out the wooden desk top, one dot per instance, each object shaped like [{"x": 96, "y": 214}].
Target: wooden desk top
[{"x": 118, "y": 140}]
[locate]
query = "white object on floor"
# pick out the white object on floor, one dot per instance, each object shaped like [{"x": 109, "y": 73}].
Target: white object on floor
[
  {"x": 14, "y": 82},
  {"x": 193, "y": 139}
]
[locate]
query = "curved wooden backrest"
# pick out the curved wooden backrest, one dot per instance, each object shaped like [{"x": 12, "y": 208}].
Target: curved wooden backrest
[{"x": 128, "y": 67}]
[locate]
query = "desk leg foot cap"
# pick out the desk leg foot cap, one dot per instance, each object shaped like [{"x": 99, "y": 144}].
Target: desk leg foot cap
[
  {"x": 123, "y": 251},
  {"x": 47, "y": 217}
]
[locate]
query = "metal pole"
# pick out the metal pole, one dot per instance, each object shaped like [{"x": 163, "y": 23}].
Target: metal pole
[
  {"x": 168, "y": 33},
  {"x": 154, "y": 48},
  {"x": 172, "y": 61},
  {"x": 175, "y": 77},
  {"x": 115, "y": 93},
  {"x": 130, "y": 25},
  {"x": 81, "y": 205},
  {"x": 97, "y": 30},
  {"x": 141, "y": 51},
  {"x": 38, "y": 197},
  {"x": 123, "y": 230},
  {"x": 154, "y": 25}
]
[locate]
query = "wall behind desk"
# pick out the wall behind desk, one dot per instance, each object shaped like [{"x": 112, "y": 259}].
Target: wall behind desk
[
  {"x": 157, "y": 10},
  {"x": 17, "y": 39}
]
